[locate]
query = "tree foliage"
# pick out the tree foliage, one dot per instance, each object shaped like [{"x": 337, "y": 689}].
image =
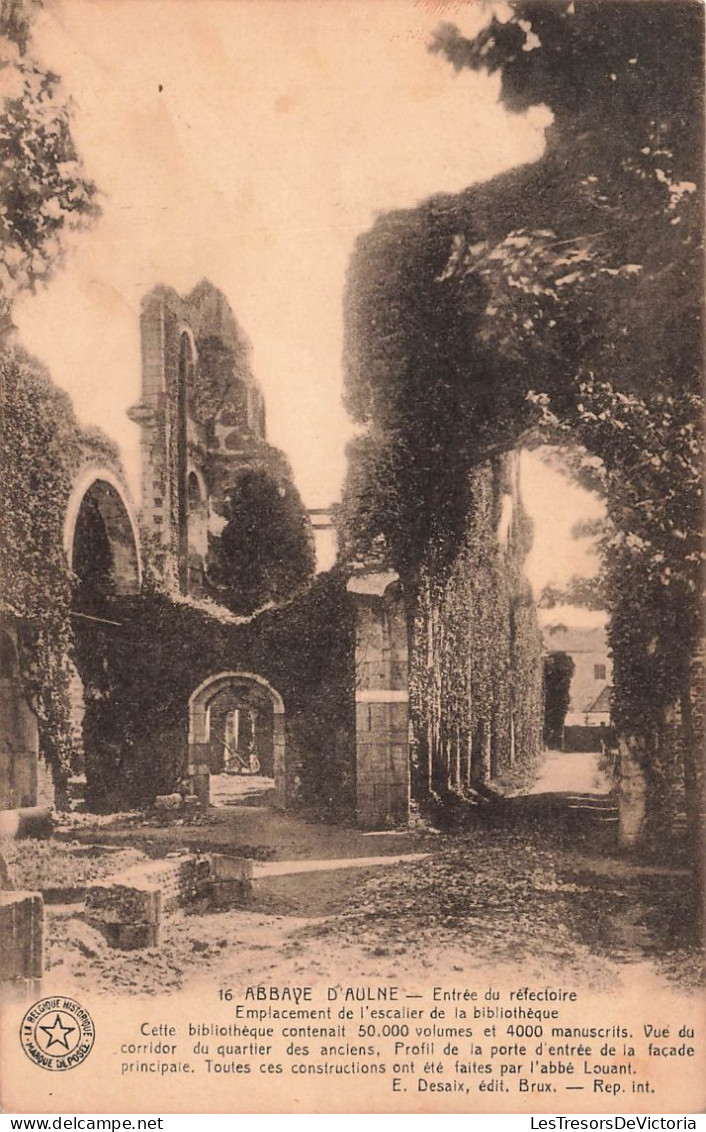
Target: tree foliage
[
  {"x": 555, "y": 270},
  {"x": 265, "y": 551},
  {"x": 565, "y": 293},
  {"x": 587, "y": 593},
  {"x": 44, "y": 190},
  {"x": 558, "y": 670},
  {"x": 44, "y": 194}
]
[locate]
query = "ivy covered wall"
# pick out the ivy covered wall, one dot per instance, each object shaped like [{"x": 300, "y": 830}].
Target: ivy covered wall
[
  {"x": 42, "y": 451},
  {"x": 139, "y": 674},
  {"x": 476, "y": 683}
]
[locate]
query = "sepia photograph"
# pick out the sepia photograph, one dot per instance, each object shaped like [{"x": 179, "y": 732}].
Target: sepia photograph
[{"x": 351, "y": 557}]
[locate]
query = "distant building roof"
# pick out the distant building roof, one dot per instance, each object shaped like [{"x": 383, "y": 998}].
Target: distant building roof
[
  {"x": 564, "y": 638},
  {"x": 601, "y": 702}
]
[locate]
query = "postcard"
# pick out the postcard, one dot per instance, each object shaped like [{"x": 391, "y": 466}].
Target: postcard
[{"x": 352, "y": 647}]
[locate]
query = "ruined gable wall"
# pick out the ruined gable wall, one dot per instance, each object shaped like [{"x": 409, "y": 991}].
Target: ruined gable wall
[
  {"x": 202, "y": 420},
  {"x": 136, "y": 723}
]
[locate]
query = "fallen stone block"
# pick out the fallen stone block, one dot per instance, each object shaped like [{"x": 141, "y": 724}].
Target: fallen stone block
[
  {"x": 132, "y": 937},
  {"x": 31, "y": 821},
  {"x": 139, "y": 897},
  {"x": 72, "y": 894},
  {"x": 128, "y": 907},
  {"x": 124, "y": 902},
  {"x": 180, "y": 880},
  {"x": 168, "y": 802},
  {"x": 231, "y": 868},
  {"x": 226, "y": 893},
  {"x": 231, "y": 880}
]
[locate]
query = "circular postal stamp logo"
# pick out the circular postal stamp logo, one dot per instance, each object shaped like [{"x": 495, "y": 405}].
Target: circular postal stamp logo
[{"x": 57, "y": 1033}]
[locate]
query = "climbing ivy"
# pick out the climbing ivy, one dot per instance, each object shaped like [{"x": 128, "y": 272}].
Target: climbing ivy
[
  {"x": 565, "y": 293},
  {"x": 475, "y": 682},
  {"x": 43, "y": 446},
  {"x": 136, "y": 721}
]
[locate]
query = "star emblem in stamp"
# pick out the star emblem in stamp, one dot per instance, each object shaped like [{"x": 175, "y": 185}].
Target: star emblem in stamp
[{"x": 57, "y": 1033}]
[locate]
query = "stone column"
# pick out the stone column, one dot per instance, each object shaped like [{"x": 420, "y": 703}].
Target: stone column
[
  {"x": 199, "y": 753},
  {"x": 280, "y": 767},
  {"x": 382, "y": 701},
  {"x": 21, "y": 940}
]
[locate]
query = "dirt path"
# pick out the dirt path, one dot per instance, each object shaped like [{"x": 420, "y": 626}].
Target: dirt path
[
  {"x": 532, "y": 885},
  {"x": 246, "y": 830},
  {"x": 573, "y": 773}
]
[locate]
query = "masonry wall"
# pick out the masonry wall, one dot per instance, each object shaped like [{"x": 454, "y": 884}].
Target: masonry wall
[
  {"x": 19, "y": 735},
  {"x": 202, "y": 422},
  {"x": 588, "y": 648},
  {"x": 585, "y": 685},
  {"x": 139, "y": 674},
  {"x": 381, "y": 701},
  {"x": 22, "y": 950}
]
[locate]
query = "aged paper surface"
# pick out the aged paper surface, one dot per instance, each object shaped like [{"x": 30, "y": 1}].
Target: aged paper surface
[{"x": 244, "y": 909}]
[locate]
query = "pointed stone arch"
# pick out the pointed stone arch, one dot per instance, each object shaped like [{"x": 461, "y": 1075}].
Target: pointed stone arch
[
  {"x": 200, "y": 722},
  {"x": 197, "y": 510},
  {"x": 100, "y": 489}
]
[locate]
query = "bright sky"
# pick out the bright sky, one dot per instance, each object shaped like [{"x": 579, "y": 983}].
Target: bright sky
[
  {"x": 251, "y": 141},
  {"x": 555, "y": 505}
]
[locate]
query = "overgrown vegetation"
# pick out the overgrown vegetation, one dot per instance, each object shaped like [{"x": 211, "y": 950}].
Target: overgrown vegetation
[
  {"x": 42, "y": 448},
  {"x": 564, "y": 294},
  {"x": 584, "y": 293},
  {"x": 44, "y": 195},
  {"x": 45, "y": 192},
  {"x": 265, "y": 551},
  {"x": 136, "y": 722},
  {"x": 558, "y": 670},
  {"x": 475, "y": 679}
]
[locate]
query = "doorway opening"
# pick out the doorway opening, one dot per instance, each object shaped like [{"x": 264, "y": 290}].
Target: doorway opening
[
  {"x": 237, "y": 741},
  {"x": 563, "y": 569}
]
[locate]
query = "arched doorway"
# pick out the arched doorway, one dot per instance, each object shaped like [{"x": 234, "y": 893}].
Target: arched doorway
[
  {"x": 231, "y": 716},
  {"x": 101, "y": 543},
  {"x": 100, "y": 537}
]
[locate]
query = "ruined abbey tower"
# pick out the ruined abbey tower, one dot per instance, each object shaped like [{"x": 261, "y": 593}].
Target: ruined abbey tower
[{"x": 202, "y": 418}]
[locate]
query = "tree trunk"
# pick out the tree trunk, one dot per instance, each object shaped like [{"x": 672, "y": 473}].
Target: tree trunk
[{"x": 632, "y": 795}]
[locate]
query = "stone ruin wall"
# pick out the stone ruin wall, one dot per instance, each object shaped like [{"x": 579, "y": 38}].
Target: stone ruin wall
[{"x": 202, "y": 422}]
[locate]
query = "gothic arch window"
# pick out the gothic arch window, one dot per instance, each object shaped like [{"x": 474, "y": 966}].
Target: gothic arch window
[
  {"x": 197, "y": 521},
  {"x": 101, "y": 539},
  {"x": 181, "y": 458}
]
